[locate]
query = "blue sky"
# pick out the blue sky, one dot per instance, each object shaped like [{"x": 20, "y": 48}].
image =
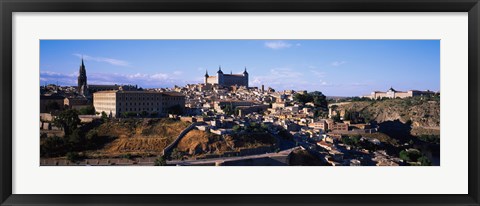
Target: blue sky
[{"x": 334, "y": 67}]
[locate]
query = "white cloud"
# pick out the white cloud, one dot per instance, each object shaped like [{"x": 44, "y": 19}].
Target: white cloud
[
  {"x": 116, "y": 62},
  {"x": 50, "y": 73},
  {"x": 277, "y": 45},
  {"x": 278, "y": 77},
  {"x": 159, "y": 76},
  {"x": 286, "y": 78},
  {"x": 318, "y": 74},
  {"x": 337, "y": 63},
  {"x": 145, "y": 80},
  {"x": 178, "y": 73}
]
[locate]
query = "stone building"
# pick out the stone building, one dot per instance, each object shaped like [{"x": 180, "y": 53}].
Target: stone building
[
  {"x": 220, "y": 105},
  {"x": 116, "y": 102},
  {"x": 227, "y": 79},
  {"x": 392, "y": 93},
  {"x": 76, "y": 102},
  {"x": 49, "y": 103}
]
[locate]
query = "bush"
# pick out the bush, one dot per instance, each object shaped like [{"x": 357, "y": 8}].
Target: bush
[
  {"x": 126, "y": 156},
  {"x": 154, "y": 114},
  {"x": 176, "y": 109},
  {"x": 160, "y": 161},
  {"x": 53, "y": 147},
  {"x": 435, "y": 139},
  {"x": 144, "y": 113},
  {"x": 89, "y": 110},
  {"x": 236, "y": 128},
  {"x": 129, "y": 114},
  {"x": 68, "y": 120},
  {"x": 411, "y": 155},
  {"x": 424, "y": 161},
  {"x": 73, "y": 156},
  {"x": 176, "y": 154},
  {"x": 76, "y": 140}
]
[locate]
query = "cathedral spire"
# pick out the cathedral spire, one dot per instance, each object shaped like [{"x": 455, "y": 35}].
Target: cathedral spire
[{"x": 82, "y": 80}]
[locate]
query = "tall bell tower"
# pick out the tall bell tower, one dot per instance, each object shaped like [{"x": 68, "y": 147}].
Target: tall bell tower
[{"x": 82, "y": 80}]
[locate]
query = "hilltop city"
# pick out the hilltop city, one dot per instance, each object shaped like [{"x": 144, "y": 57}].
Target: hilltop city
[{"x": 224, "y": 121}]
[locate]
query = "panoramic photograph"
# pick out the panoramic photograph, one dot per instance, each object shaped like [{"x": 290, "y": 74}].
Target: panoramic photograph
[{"x": 239, "y": 102}]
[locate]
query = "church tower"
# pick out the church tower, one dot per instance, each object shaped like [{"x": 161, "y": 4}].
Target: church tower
[
  {"x": 245, "y": 75},
  {"x": 82, "y": 80},
  {"x": 206, "y": 77}
]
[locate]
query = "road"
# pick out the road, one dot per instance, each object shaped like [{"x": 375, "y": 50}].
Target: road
[{"x": 226, "y": 159}]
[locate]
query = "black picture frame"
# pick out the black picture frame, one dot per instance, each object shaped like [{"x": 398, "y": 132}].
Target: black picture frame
[{"x": 7, "y": 7}]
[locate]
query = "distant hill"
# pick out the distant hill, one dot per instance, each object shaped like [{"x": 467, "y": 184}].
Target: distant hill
[{"x": 335, "y": 97}]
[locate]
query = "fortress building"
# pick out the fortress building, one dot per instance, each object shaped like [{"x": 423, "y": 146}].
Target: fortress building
[
  {"x": 392, "y": 93},
  {"x": 227, "y": 79}
]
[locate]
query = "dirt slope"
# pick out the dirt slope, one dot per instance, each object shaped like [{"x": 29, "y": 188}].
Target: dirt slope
[{"x": 138, "y": 136}]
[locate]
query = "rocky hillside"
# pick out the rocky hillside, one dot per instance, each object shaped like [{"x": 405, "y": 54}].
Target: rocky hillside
[{"x": 422, "y": 113}]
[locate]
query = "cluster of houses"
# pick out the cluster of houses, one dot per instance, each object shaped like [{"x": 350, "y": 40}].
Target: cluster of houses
[{"x": 337, "y": 153}]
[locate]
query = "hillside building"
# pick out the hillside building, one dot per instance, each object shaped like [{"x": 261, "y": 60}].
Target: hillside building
[
  {"x": 392, "y": 93},
  {"x": 116, "y": 102}
]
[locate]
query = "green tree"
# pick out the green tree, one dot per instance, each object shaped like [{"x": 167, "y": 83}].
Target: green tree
[
  {"x": 319, "y": 99},
  {"x": 176, "y": 154},
  {"x": 347, "y": 116},
  {"x": 302, "y": 98},
  {"x": 73, "y": 156},
  {"x": 404, "y": 156},
  {"x": 76, "y": 140},
  {"x": 154, "y": 114},
  {"x": 236, "y": 128},
  {"x": 104, "y": 117},
  {"x": 336, "y": 118},
  {"x": 144, "y": 113},
  {"x": 89, "y": 110},
  {"x": 228, "y": 109},
  {"x": 52, "y": 147},
  {"x": 160, "y": 161},
  {"x": 412, "y": 155},
  {"x": 175, "y": 109},
  {"x": 68, "y": 120},
  {"x": 424, "y": 161},
  {"x": 129, "y": 114}
]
